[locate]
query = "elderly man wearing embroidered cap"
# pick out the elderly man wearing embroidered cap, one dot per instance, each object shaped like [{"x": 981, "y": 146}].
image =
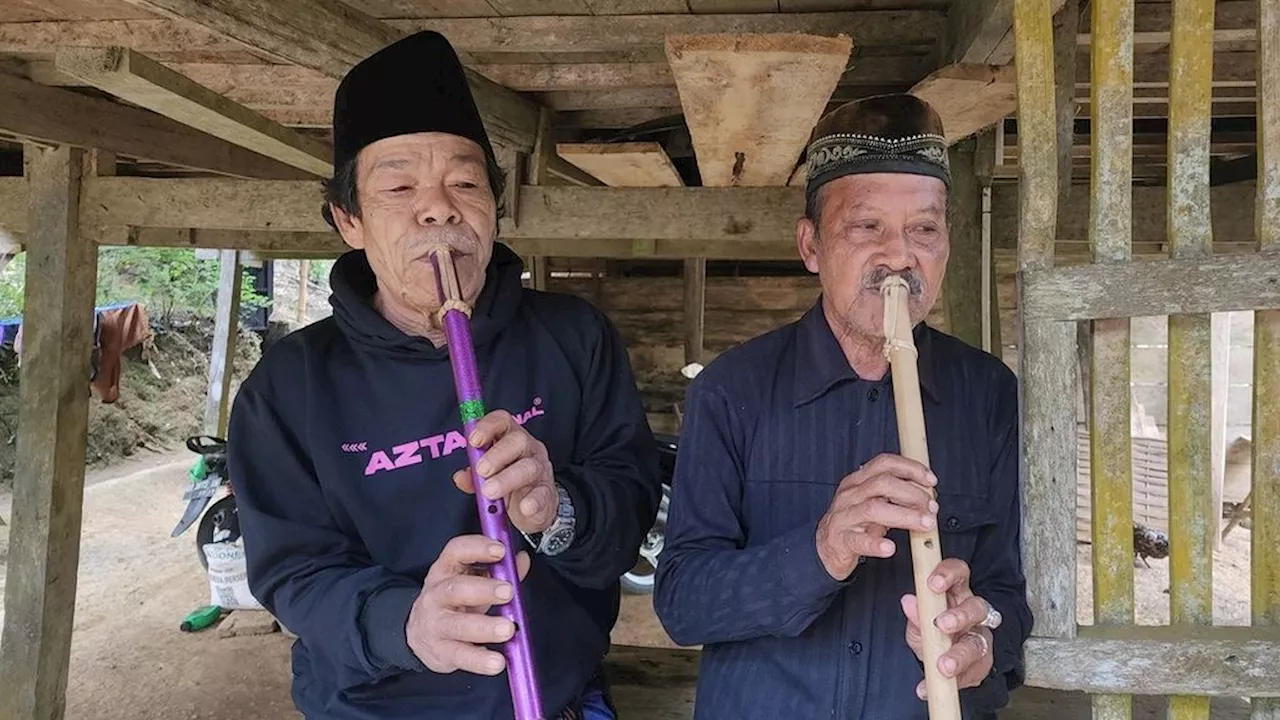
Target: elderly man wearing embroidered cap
[
  {"x": 787, "y": 552},
  {"x": 346, "y": 450}
]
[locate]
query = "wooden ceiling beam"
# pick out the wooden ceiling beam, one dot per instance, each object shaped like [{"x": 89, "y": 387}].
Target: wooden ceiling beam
[
  {"x": 52, "y": 115},
  {"x": 980, "y": 32},
  {"x": 545, "y": 77},
  {"x": 611, "y": 33},
  {"x": 969, "y": 98},
  {"x": 148, "y": 36},
  {"x": 133, "y": 77},
  {"x": 633, "y": 164},
  {"x": 331, "y": 36},
  {"x": 751, "y": 101}
]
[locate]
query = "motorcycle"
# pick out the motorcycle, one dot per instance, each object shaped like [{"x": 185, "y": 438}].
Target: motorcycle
[
  {"x": 221, "y": 523},
  {"x": 640, "y": 579}
]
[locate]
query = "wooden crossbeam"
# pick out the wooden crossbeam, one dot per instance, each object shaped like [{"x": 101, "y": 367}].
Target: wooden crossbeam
[
  {"x": 545, "y": 77},
  {"x": 969, "y": 98},
  {"x": 1231, "y": 205},
  {"x": 751, "y": 101},
  {"x": 331, "y": 36},
  {"x": 765, "y": 214},
  {"x": 1220, "y": 661},
  {"x": 634, "y": 164},
  {"x": 1156, "y": 287},
  {"x": 602, "y": 33},
  {"x": 131, "y": 76},
  {"x": 52, "y": 115}
]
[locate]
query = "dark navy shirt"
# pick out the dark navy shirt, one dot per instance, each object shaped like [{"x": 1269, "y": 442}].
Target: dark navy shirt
[{"x": 771, "y": 428}]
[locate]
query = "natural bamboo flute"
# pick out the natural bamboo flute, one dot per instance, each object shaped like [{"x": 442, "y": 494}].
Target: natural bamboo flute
[
  {"x": 455, "y": 316},
  {"x": 942, "y": 694}
]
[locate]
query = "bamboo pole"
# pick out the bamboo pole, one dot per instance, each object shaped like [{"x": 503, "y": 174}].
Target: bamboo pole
[
  {"x": 1265, "y": 599},
  {"x": 1110, "y": 236},
  {"x": 1193, "y": 525}
]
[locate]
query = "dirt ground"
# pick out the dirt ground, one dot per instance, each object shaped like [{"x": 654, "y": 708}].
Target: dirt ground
[{"x": 129, "y": 661}]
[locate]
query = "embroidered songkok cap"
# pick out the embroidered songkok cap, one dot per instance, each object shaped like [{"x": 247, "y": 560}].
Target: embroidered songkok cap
[{"x": 883, "y": 134}]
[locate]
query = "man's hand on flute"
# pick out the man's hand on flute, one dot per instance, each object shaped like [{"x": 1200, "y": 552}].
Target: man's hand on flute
[
  {"x": 447, "y": 624},
  {"x": 888, "y": 492},
  {"x": 966, "y": 620},
  {"x": 516, "y": 468}
]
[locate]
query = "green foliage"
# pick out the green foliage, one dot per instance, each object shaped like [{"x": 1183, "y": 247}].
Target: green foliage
[
  {"x": 171, "y": 282},
  {"x": 11, "y": 286}
]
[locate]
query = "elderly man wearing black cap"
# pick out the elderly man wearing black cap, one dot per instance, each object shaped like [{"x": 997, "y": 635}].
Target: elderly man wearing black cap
[
  {"x": 348, "y": 458},
  {"x": 787, "y": 552}
]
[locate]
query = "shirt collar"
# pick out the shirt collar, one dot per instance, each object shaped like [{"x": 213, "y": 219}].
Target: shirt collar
[{"x": 821, "y": 364}]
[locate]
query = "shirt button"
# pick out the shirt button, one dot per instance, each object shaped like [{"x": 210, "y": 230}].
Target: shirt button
[
  {"x": 855, "y": 648},
  {"x": 874, "y": 394},
  {"x": 953, "y": 522}
]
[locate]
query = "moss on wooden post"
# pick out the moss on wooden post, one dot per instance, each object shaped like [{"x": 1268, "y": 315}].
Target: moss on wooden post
[
  {"x": 1110, "y": 235},
  {"x": 1046, "y": 347},
  {"x": 1192, "y": 519},
  {"x": 1265, "y": 597}
]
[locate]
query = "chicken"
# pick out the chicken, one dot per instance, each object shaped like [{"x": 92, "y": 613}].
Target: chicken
[{"x": 1149, "y": 543}]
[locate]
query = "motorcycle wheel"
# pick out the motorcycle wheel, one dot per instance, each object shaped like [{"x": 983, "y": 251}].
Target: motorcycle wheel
[
  {"x": 640, "y": 580},
  {"x": 220, "y": 524}
]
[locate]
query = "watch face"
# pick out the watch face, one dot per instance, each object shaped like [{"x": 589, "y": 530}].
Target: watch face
[{"x": 558, "y": 540}]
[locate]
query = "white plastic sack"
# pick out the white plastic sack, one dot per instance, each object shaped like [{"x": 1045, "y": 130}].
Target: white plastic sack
[{"x": 228, "y": 578}]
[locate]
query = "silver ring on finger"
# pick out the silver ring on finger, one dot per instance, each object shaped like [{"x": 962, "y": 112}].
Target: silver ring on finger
[
  {"x": 984, "y": 648},
  {"x": 993, "y": 618}
]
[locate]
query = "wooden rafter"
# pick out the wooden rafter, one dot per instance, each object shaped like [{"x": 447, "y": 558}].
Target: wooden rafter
[
  {"x": 331, "y": 36},
  {"x": 52, "y": 115},
  {"x": 136, "y": 78},
  {"x": 969, "y": 98},
  {"x": 633, "y": 164},
  {"x": 564, "y": 34}
]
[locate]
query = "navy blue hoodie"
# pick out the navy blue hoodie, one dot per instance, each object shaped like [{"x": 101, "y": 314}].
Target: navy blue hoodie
[{"x": 342, "y": 445}]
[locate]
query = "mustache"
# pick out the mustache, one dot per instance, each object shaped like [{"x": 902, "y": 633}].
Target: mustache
[
  {"x": 873, "y": 279},
  {"x": 458, "y": 239}
]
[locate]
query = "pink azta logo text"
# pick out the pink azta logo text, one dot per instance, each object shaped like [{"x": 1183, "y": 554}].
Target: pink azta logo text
[{"x": 412, "y": 453}]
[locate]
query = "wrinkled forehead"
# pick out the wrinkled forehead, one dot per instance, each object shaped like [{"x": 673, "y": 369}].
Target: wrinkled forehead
[
  {"x": 436, "y": 150},
  {"x": 886, "y": 191}
]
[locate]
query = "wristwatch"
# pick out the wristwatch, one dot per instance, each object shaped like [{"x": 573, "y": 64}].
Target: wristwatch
[{"x": 557, "y": 538}]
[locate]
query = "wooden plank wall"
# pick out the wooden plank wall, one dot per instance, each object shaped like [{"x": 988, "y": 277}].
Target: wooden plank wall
[
  {"x": 1189, "y": 659},
  {"x": 649, "y": 313}
]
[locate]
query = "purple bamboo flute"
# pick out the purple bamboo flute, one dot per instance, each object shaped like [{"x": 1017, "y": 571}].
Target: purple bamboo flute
[{"x": 455, "y": 316}]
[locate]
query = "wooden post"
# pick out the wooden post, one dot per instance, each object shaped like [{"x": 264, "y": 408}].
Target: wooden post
[
  {"x": 53, "y": 420},
  {"x": 962, "y": 285},
  {"x": 1220, "y": 349},
  {"x": 1046, "y": 348},
  {"x": 1111, "y": 236},
  {"x": 544, "y": 149},
  {"x": 987, "y": 150},
  {"x": 304, "y": 285},
  {"x": 695, "y": 303},
  {"x": 1066, "y": 26},
  {"x": 1193, "y": 522},
  {"x": 1265, "y": 585},
  {"x": 221, "y": 358}
]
